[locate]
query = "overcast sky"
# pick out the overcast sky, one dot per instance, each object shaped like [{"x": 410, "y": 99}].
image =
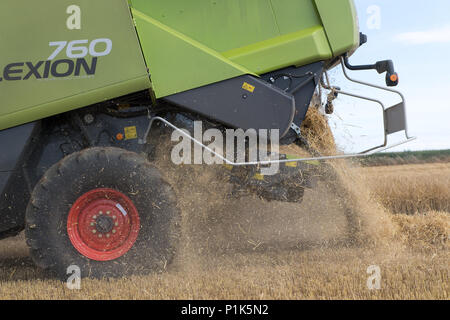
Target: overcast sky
[{"x": 416, "y": 35}]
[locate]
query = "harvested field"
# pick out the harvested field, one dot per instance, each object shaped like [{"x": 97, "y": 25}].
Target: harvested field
[
  {"x": 413, "y": 261},
  {"x": 300, "y": 274},
  {"x": 411, "y": 189}
]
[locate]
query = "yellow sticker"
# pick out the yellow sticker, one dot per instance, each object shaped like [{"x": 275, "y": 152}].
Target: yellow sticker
[
  {"x": 228, "y": 166},
  {"x": 130, "y": 133},
  {"x": 248, "y": 87},
  {"x": 291, "y": 164},
  {"x": 259, "y": 177}
]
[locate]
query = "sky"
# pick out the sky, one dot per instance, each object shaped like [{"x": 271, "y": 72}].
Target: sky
[{"x": 415, "y": 34}]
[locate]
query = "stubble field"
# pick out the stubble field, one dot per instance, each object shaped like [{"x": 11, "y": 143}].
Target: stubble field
[{"x": 257, "y": 250}]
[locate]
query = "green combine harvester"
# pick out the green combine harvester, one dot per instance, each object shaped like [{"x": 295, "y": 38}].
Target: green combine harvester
[{"x": 82, "y": 82}]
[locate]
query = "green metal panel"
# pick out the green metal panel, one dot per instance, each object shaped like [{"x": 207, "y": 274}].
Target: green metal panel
[
  {"x": 341, "y": 24},
  {"x": 293, "y": 49},
  {"x": 28, "y": 27},
  {"x": 293, "y": 16},
  {"x": 178, "y": 63},
  {"x": 188, "y": 44},
  {"x": 300, "y": 39},
  {"x": 218, "y": 24}
]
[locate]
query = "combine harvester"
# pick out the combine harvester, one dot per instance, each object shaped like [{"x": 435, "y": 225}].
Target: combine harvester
[{"x": 83, "y": 81}]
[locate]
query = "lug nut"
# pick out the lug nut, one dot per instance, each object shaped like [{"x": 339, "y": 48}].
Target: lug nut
[{"x": 89, "y": 118}]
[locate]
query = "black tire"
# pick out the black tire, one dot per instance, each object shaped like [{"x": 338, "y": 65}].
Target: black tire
[{"x": 113, "y": 168}]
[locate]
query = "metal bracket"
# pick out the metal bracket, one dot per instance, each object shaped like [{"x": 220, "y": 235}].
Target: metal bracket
[
  {"x": 296, "y": 128},
  {"x": 394, "y": 118}
]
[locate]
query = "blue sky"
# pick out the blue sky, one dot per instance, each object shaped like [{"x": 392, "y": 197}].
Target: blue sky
[{"x": 416, "y": 35}]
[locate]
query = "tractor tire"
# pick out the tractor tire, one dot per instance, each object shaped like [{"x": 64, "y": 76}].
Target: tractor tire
[{"x": 105, "y": 210}]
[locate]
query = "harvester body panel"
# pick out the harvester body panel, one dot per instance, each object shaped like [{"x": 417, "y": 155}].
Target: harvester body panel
[
  {"x": 189, "y": 44},
  {"x": 51, "y": 62},
  {"x": 59, "y": 56}
]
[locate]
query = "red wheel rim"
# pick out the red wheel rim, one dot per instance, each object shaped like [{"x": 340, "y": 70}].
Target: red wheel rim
[{"x": 103, "y": 224}]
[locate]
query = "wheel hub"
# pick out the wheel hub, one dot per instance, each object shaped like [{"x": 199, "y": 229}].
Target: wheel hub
[{"x": 103, "y": 224}]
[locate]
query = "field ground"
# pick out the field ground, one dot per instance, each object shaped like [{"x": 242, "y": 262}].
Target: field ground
[
  {"x": 412, "y": 188},
  {"x": 413, "y": 260}
]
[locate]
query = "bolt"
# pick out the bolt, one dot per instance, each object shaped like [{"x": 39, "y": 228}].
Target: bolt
[
  {"x": 94, "y": 231},
  {"x": 94, "y": 217},
  {"x": 100, "y": 212},
  {"x": 116, "y": 224},
  {"x": 88, "y": 118},
  {"x": 114, "y": 217},
  {"x": 108, "y": 235},
  {"x": 108, "y": 212},
  {"x": 92, "y": 224},
  {"x": 114, "y": 231},
  {"x": 100, "y": 235}
]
